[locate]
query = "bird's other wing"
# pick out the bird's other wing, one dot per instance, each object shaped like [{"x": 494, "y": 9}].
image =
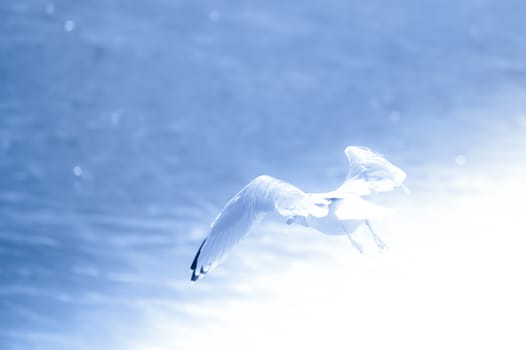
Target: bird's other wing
[
  {"x": 262, "y": 195},
  {"x": 353, "y": 207},
  {"x": 369, "y": 172}
]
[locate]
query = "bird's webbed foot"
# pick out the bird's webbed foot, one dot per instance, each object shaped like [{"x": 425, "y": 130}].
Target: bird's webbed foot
[
  {"x": 379, "y": 243},
  {"x": 355, "y": 244}
]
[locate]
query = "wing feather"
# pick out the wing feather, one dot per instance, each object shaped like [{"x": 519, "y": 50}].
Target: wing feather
[
  {"x": 369, "y": 172},
  {"x": 261, "y": 196}
]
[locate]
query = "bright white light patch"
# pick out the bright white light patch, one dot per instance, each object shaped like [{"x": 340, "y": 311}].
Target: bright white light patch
[
  {"x": 116, "y": 117},
  {"x": 214, "y": 15},
  {"x": 77, "y": 171},
  {"x": 394, "y": 116},
  {"x": 50, "y": 8},
  {"x": 460, "y": 159},
  {"x": 69, "y": 26}
]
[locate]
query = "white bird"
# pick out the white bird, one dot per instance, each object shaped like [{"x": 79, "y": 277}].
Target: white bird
[{"x": 337, "y": 212}]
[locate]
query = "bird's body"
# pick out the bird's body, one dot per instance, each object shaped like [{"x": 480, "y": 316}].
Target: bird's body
[
  {"x": 338, "y": 212},
  {"x": 331, "y": 224},
  {"x": 345, "y": 215}
]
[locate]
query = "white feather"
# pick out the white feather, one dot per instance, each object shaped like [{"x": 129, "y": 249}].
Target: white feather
[
  {"x": 262, "y": 195},
  {"x": 337, "y": 212},
  {"x": 369, "y": 172},
  {"x": 353, "y": 207}
]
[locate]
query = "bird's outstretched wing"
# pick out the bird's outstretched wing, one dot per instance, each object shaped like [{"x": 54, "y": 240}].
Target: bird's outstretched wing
[
  {"x": 369, "y": 172},
  {"x": 262, "y": 195}
]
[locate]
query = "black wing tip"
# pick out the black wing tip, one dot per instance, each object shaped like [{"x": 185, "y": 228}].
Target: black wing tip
[
  {"x": 197, "y": 276},
  {"x": 193, "y": 267},
  {"x": 194, "y": 263},
  {"x": 194, "y": 277}
]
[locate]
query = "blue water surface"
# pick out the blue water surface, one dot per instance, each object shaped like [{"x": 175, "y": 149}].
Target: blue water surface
[{"x": 125, "y": 126}]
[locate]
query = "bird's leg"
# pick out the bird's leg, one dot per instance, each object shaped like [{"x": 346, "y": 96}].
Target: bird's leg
[
  {"x": 377, "y": 239},
  {"x": 354, "y": 244},
  {"x": 297, "y": 219}
]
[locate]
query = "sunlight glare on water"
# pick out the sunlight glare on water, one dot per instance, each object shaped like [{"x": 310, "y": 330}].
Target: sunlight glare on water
[{"x": 449, "y": 278}]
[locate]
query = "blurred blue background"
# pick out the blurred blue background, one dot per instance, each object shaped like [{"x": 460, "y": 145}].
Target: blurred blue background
[{"x": 126, "y": 126}]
